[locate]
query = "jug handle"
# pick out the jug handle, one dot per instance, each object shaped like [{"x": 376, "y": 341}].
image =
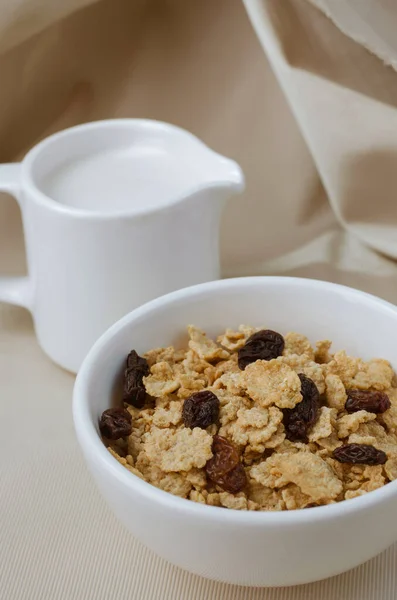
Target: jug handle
[{"x": 13, "y": 290}]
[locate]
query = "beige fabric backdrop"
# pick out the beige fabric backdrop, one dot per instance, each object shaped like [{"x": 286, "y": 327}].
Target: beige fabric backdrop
[
  {"x": 200, "y": 65},
  {"x": 372, "y": 23},
  {"x": 345, "y": 102}
]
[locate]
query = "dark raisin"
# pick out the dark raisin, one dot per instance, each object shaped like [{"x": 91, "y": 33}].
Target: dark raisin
[
  {"x": 374, "y": 402},
  {"x": 200, "y": 410},
  {"x": 263, "y": 345},
  {"x": 359, "y": 454},
  {"x": 234, "y": 481},
  {"x": 115, "y": 423},
  {"x": 225, "y": 468},
  {"x": 134, "y": 391},
  {"x": 225, "y": 457},
  {"x": 298, "y": 420}
]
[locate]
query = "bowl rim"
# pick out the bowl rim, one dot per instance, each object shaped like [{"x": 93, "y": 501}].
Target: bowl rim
[{"x": 90, "y": 441}]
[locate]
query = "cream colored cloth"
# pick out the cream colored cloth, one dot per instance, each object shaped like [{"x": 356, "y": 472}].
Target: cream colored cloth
[
  {"x": 372, "y": 23},
  {"x": 197, "y": 64},
  {"x": 345, "y": 102}
]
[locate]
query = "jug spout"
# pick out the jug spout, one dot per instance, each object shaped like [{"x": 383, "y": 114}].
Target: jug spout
[{"x": 227, "y": 175}]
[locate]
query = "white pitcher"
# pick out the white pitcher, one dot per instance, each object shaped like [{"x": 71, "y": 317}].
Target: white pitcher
[{"x": 115, "y": 213}]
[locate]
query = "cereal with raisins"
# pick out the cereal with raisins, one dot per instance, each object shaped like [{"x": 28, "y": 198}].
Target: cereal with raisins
[{"x": 256, "y": 420}]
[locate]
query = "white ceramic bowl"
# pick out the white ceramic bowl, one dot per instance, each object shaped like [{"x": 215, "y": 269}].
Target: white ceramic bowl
[{"x": 248, "y": 548}]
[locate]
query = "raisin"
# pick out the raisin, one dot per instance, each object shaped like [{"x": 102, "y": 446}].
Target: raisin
[
  {"x": 115, "y": 423},
  {"x": 225, "y": 468},
  {"x": 200, "y": 409},
  {"x": 298, "y": 420},
  {"x": 134, "y": 390},
  {"x": 359, "y": 454},
  {"x": 263, "y": 345},
  {"x": 225, "y": 456},
  {"x": 234, "y": 481},
  {"x": 374, "y": 402}
]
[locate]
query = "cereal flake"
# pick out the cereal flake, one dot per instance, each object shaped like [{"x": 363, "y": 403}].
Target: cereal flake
[
  {"x": 161, "y": 381},
  {"x": 236, "y": 501},
  {"x": 165, "y": 417},
  {"x": 350, "y": 423},
  {"x": 309, "y": 472},
  {"x": 197, "y": 497},
  {"x": 272, "y": 382},
  {"x": 264, "y": 497},
  {"x": 178, "y": 450},
  {"x": 391, "y": 468},
  {"x": 376, "y": 374},
  {"x": 296, "y": 343},
  {"x": 322, "y": 354},
  {"x": 294, "y": 498},
  {"x": 255, "y": 426},
  {"x": 335, "y": 392},
  {"x": 323, "y": 427},
  {"x": 234, "y": 340},
  {"x": 160, "y": 355},
  {"x": 204, "y": 346}
]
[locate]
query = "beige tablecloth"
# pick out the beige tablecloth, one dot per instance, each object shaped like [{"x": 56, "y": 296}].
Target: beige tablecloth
[{"x": 197, "y": 64}]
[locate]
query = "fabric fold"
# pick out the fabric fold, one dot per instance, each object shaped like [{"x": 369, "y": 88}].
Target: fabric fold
[{"x": 344, "y": 100}]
